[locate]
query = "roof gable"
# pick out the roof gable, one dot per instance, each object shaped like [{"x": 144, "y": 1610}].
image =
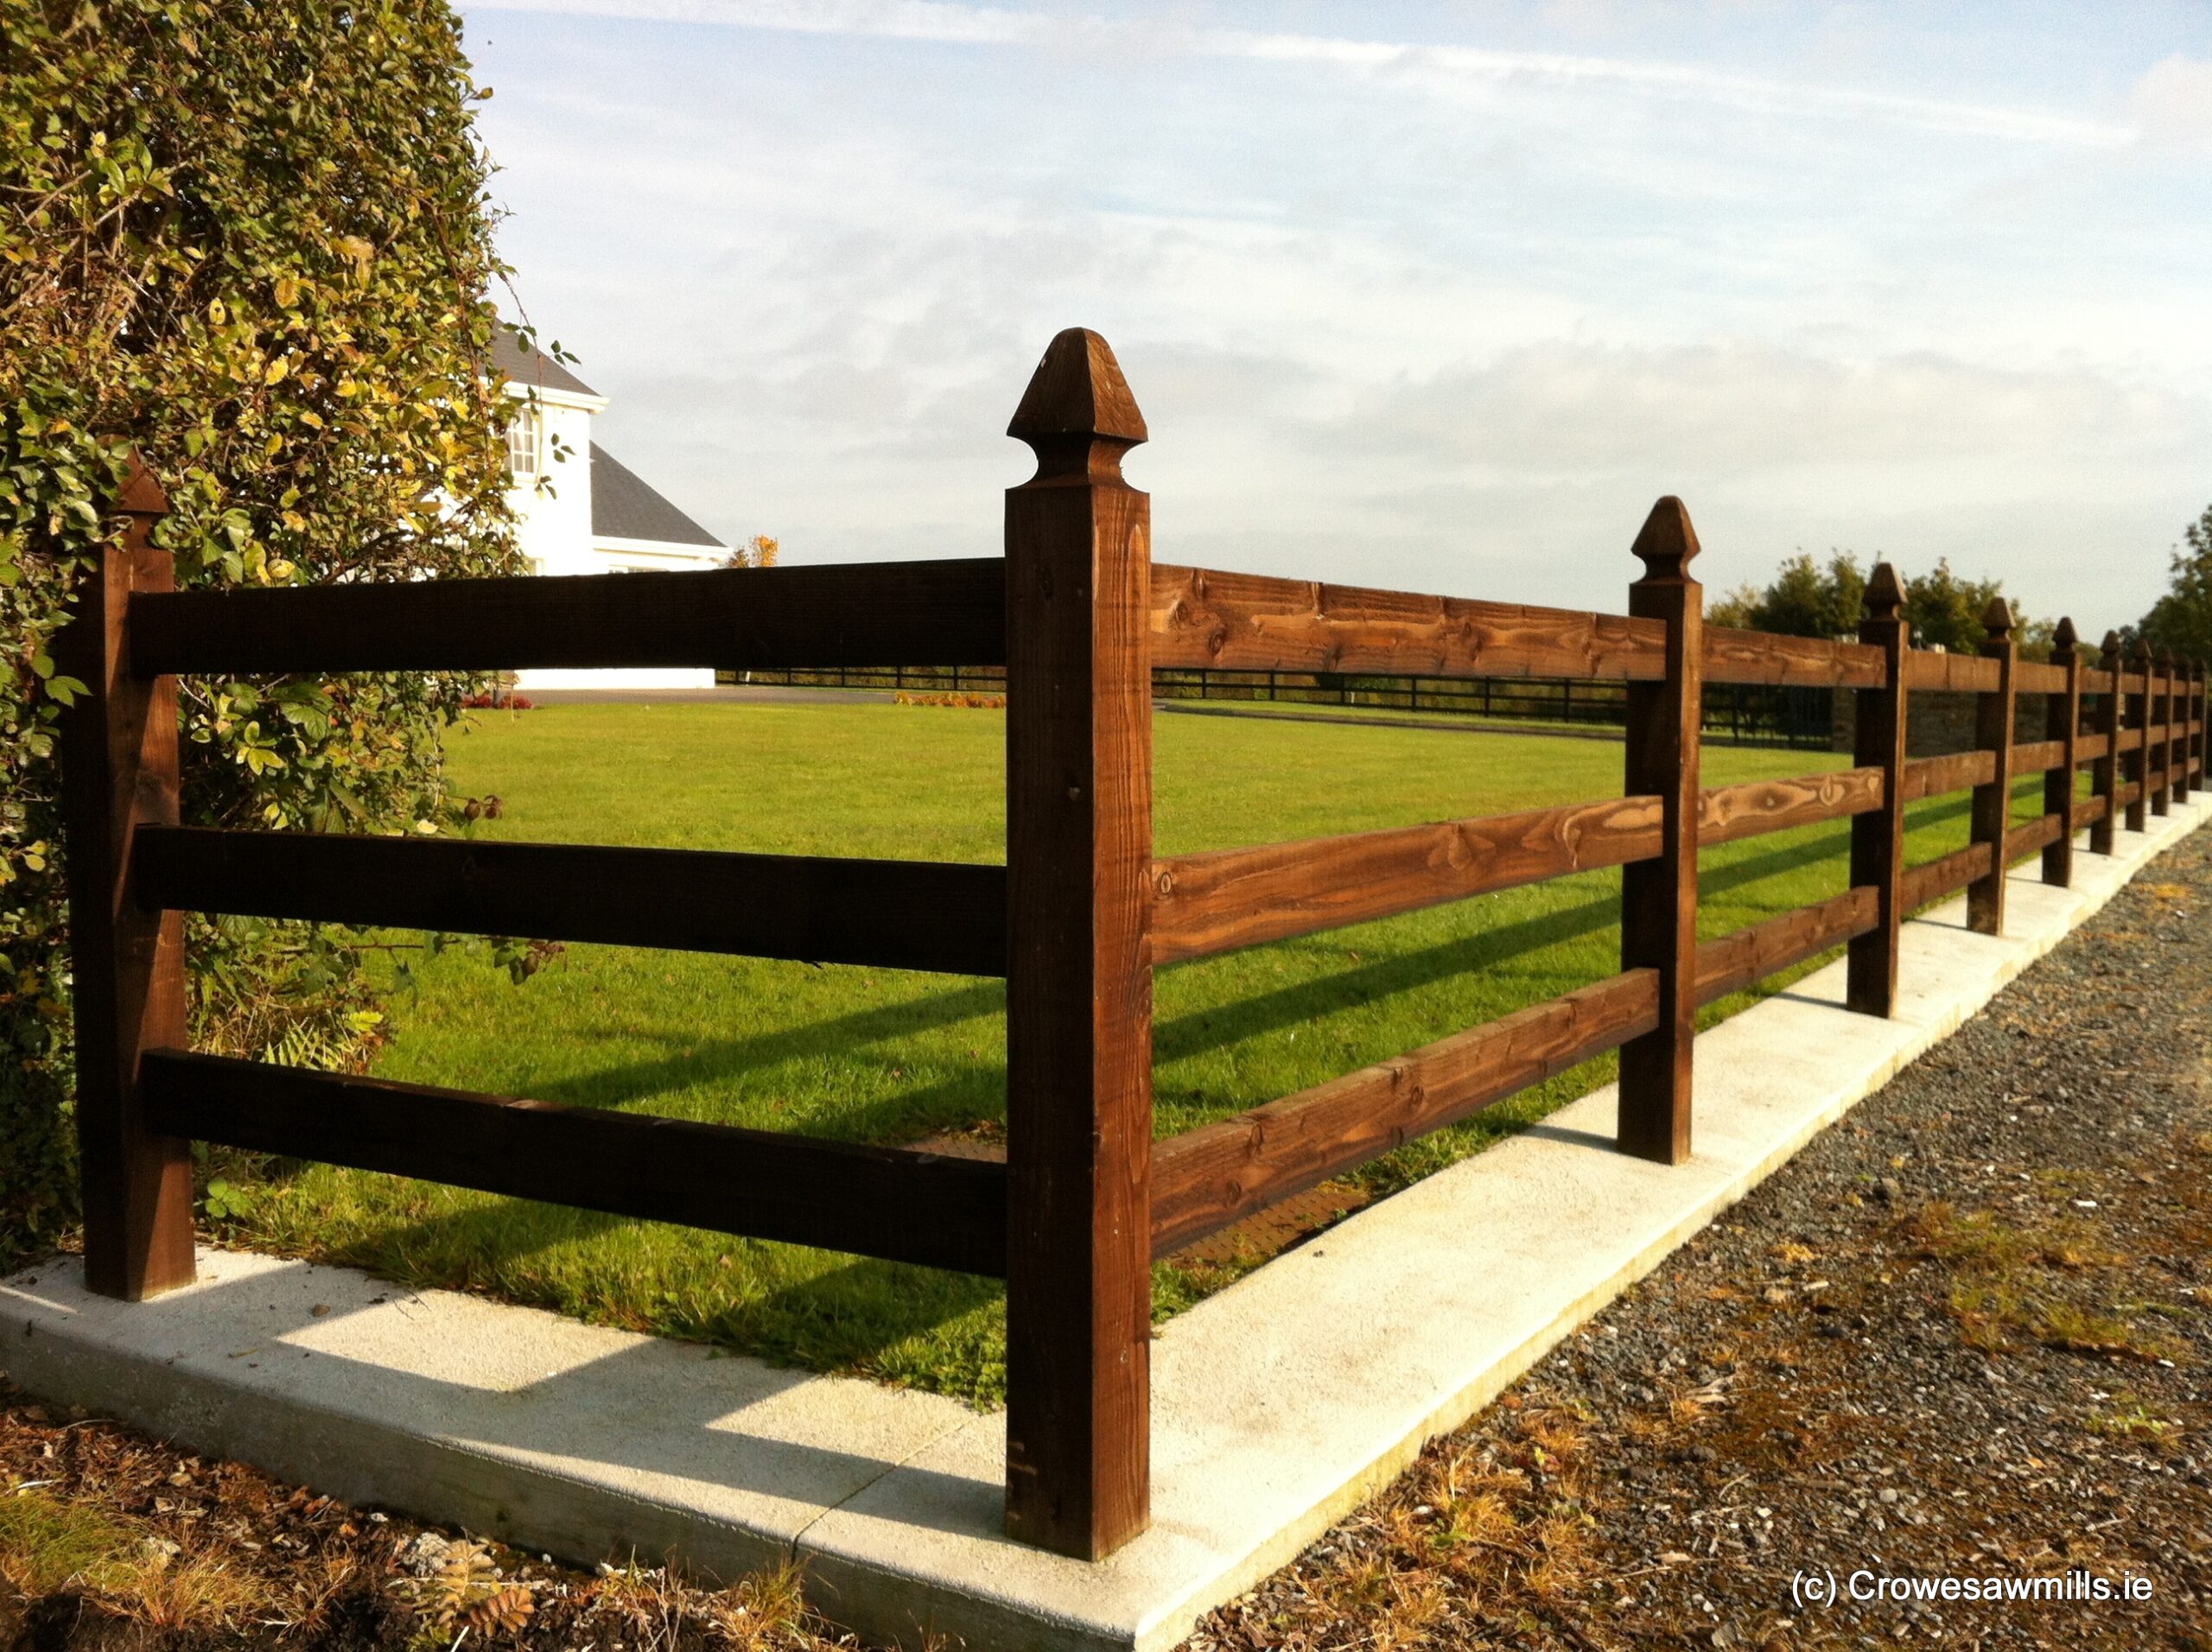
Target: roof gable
[
  {"x": 532, "y": 368},
  {"x": 624, "y": 507}
]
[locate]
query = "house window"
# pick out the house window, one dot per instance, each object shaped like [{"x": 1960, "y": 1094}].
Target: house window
[{"x": 523, "y": 442}]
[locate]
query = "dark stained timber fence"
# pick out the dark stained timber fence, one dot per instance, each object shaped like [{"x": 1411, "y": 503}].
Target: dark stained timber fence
[{"x": 1073, "y": 622}]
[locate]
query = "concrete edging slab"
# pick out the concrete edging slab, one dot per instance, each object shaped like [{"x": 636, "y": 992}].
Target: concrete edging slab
[{"x": 1278, "y": 1403}]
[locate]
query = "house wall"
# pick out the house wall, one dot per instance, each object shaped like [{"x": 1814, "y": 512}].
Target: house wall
[
  {"x": 556, "y": 519},
  {"x": 554, "y": 532}
]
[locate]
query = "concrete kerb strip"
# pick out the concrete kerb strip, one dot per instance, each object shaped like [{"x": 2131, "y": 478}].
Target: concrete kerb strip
[{"x": 1280, "y": 1403}]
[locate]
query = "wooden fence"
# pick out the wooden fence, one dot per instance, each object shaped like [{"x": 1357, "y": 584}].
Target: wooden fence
[
  {"x": 1736, "y": 713},
  {"x": 1079, "y": 617}
]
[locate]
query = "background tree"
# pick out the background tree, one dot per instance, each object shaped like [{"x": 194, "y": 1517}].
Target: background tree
[
  {"x": 2182, "y": 620},
  {"x": 253, "y": 242},
  {"x": 1804, "y": 600},
  {"x": 1947, "y": 612}
]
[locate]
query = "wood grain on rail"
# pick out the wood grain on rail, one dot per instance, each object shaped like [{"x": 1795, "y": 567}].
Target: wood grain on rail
[
  {"x": 1217, "y": 902},
  {"x": 1252, "y": 622},
  {"x": 1735, "y": 962},
  {"x": 1727, "y": 813},
  {"x": 1950, "y": 673},
  {"x": 1923, "y": 884},
  {"x": 1209, "y": 1177},
  {"x": 1933, "y": 777},
  {"x": 2037, "y": 834},
  {"x": 1732, "y": 656}
]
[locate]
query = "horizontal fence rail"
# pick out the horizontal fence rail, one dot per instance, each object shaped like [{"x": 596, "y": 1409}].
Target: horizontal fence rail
[
  {"x": 887, "y": 1201},
  {"x": 1255, "y": 623},
  {"x": 2024, "y": 839},
  {"x": 1206, "y": 904},
  {"x": 895, "y": 914},
  {"x": 1950, "y": 673},
  {"x": 1802, "y": 662},
  {"x": 1933, "y": 776},
  {"x": 1229, "y": 899},
  {"x": 1735, "y": 962},
  {"x": 1726, "y": 813},
  {"x": 924, "y": 614},
  {"x": 1935, "y": 879},
  {"x": 1206, "y": 1178}
]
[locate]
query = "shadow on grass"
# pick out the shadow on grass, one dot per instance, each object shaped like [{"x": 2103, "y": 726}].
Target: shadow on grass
[
  {"x": 1190, "y": 1034},
  {"x": 847, "y": 1317}
]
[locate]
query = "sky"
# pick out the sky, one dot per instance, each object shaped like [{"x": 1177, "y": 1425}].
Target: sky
[{"x": 1437, "y": 297}]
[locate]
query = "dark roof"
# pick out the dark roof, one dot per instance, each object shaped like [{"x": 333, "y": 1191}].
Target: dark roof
[
  {"x": 532, "y": 368},
  {"x": 623, "y": 507}
]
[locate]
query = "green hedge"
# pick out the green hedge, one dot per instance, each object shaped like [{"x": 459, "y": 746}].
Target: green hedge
[{"x": 254, "y": 242}]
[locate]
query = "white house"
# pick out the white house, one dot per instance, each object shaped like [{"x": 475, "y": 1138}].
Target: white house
[{"x": 593, "y": 514}]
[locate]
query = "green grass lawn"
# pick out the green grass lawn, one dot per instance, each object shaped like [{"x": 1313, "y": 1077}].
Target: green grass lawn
[{"x": 892, "y": 1056}]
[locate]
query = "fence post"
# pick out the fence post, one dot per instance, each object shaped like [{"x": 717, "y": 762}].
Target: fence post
[
  {"x": 2157, "y": 738},
  {"x": 1659, "y": 898},
  {"x": 1078, "y": 964},
  {"x": 2181, "y": 693},
  {"x": 2105, "y": 774},
  {"x": 2177, "y": 695},
  {"x": 1992, "y": 803},
  {"x": 2164, "y": 714},
  {"x": 2063, "y": 721},
  {"x": 2199, "y": 715},
  {"x": 2188, "y": 688},
  {"x": 2138, "y": 760},
  {"x": 1878, "y": 836},
  {"x": 119, "y": 771}
]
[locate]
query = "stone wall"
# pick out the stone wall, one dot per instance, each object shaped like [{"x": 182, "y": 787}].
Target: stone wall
[{"x": 1937, "y": 723}]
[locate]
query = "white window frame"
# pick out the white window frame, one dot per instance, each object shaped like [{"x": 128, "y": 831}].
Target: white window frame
[{"x": 526, "y": 444}]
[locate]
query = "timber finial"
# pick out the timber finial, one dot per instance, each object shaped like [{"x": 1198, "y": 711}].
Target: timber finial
[
  {"x": 1077, "y": 412},
  {"x": 1667, "y": 544},
  {"x": 1884, "y": 596},
  {"x": 1997, "y": 620}
]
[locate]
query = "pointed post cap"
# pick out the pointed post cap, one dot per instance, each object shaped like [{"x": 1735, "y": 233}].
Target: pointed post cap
[
  {"x": 1997, "y": 620},
  {"x": 2063, "y": 639},
  {"x": 1884, "y": 596},
  {"x": 2110, "y": 647},
  {"x": 2143, "y": 653},
  {"x": 142, "y": 494},
  {"x": 1077, "y": 412},
  {"x": 1666, "y": 544}
]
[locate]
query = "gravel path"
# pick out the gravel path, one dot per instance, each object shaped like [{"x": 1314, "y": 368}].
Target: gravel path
[{"x": 1958, "y": 1336}]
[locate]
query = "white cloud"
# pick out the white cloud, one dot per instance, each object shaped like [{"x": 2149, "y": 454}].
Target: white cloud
[
  {"x": 1404, "y": 340},
  {"x": 1576, "y": 409},
  {"x": 1439, "y": 69},
  {"x": 2173, "y": 103}
]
